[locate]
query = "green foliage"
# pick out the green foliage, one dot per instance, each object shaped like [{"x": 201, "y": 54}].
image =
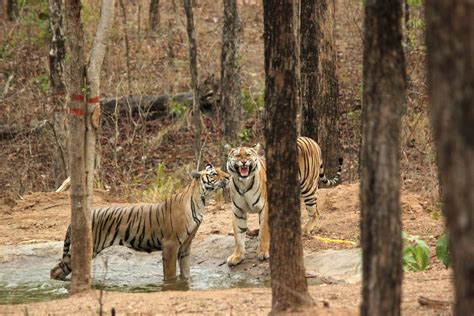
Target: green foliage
[
  {"x": 415, "y": 3},
  {"x": 42, "y": 82},
  {"x": 416, "y": 253},
  {"x": 178, "y": 109},
  {"x": 252, "y": 102},
  {"x": 442, "y": 250},
  {"x": 245, "y": 134},
  {"x": 163, "y": 186}
]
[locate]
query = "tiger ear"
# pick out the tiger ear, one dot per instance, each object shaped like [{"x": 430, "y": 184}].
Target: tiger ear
[
  {"x": 209, "y": 167},
  {"x": 257, "y": 147},
  {"x": 195, "y": 174},
  {"x": 227, "y": 147}
]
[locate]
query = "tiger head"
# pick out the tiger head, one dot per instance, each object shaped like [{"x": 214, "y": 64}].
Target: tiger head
[
  {"x": 211, "y": 178},
  {"x": 243, "y": 161}
]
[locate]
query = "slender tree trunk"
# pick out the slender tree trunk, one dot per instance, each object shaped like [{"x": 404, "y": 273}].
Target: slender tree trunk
[
  {"x": 194, "y": 81},
  {"x": 384, "y": 83},
  {"x": 231, "y": 100},
  {"x": 93, "y": 91},
  {"x": 310, "y": 33},
  {"x": 80, "y": 218},
  {"x": 127, "y": 47},
  {"x": 12, "y": 9},
  {"x": 57, "y": 57},
  {"x": 289, "y": 286},
  {"x": 154, "y": 15},
  {"x": 450, "y": 39}
]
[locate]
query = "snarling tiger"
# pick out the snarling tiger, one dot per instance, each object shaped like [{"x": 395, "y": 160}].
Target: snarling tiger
[
  {"x": 169, "y": 226},
  {"x": 248, "y": 191}
]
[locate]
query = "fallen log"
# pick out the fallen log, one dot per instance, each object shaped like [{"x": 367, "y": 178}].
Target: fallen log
[{"x": 158, "y": 105}]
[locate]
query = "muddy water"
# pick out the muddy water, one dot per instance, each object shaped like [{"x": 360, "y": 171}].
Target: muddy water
[{"x": 24, "y": 270}]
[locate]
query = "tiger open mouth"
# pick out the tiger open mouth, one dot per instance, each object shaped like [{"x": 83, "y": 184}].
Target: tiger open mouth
[{"x": 244, "y": 171}]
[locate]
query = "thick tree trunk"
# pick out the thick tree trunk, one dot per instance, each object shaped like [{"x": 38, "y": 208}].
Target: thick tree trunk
[
  {"x": 384, "y": 88},
  {"x": 328, "y": 88},
  {"x": 194, "y": 81},
  {"x": 231, "y": 100},
  {"x": 80, "y": 217},
  {"x": 289, "y": 287},
  {"x": 57, "y": 57},
  {"x": 154, "y": 15},
  {"x": 450, "y": 38},
  {"x": 309, "y": 53}
]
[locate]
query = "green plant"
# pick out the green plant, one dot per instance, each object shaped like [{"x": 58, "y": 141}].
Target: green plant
[
  {"x": 245, "y": 134},
  {"x": 163, "y": 186},
  {"x": 42, "y": 82},
  {"x": 442, "y": 250},
  {"x": 252, "y": 102},
  {"x": 416, "y": 253},
  {"x": 178, "y": 109}
]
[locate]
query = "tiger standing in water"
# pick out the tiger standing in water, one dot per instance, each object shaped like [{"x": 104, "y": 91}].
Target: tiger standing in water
[
  {"x": 248, "y": 191},
  {"x": 168, "y": 227}
]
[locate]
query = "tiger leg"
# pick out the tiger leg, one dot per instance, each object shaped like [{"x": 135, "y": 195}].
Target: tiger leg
[
  {"x": 263, "y": 250},
  {"x": 63, "y": 268},
  {"x": 184, "y": 259},
  {"x": 240, "y": 228},
  {"x": 170, "y": 256},
  {"x": 312, "y": 209}
]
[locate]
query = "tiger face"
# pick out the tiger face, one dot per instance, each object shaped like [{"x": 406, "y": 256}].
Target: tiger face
[
  {"x": 243, "y": 161},
  {"x": 212, "y": 178}
]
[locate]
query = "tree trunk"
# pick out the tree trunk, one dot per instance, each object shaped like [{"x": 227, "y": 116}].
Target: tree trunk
[
  {"x": 309, "y": 53},
  {"x": 57, "y": 56},
  {"x": 93, "y": 91},
  {"x": 289, "y": 286},
  {"x": 320, "y": 89},
  {"x": 154, "y": 15},
  {"x": 194, "y": 81},
  {"x": 384, "y": 82},
  {"x": 81, "y": 236},
  {"x": 12, "y": 9},
  {"x": 231, "y": 100},
  {"x": 450, "y": 55}
]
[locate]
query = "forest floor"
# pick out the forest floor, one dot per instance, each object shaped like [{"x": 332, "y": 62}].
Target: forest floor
[{"x": 41, "y": 217}]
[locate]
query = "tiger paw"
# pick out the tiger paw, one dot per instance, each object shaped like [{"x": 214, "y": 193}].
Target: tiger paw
[
  {"x": 263, "y": 255},
  {"x": 234, "y": 260}
]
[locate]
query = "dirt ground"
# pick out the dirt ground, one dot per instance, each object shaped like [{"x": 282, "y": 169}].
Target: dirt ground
[{"x": 41, "y": 217}]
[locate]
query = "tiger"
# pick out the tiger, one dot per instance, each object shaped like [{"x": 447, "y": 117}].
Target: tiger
[
  {"x": 248, "y": 192},
  {"x": 168, "y": 227}
]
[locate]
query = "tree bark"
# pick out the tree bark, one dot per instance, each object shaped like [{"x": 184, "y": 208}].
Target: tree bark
[
  {"x": 12, "y": 9},
  {"x": 450, "y": 55},
  {"x": 154, "y": 15},
  {"x": 384, "y": 82},
  {"x": 289, "y": 286},
  {"x": 231, "y": 101},
  {"x": 194, "y": 81},
  {"x": 81, "y": 237},
  {"x": 328, "y": 89},
  {"x": 310, "y": 33},
  {"x": 93, "y": 91},
  {"x": 57, "y": 57}
]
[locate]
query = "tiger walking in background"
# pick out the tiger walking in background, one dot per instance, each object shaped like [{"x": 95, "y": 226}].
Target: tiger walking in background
[
  {"x": 248, "y": 191},
  {"x": 168, "y": 227}
]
